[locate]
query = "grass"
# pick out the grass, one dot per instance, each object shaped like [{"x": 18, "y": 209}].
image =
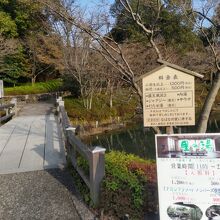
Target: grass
[{"x": 37, "y": 88}]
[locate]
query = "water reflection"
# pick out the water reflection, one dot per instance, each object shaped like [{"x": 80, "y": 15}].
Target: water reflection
[
  {"x": 140, "y": 141},
  {"x": 136, "y": 140}
]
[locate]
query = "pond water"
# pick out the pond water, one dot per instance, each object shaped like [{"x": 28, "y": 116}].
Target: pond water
[
  {"x": 139, "y": 141},
  {"x": 133, "y": 139}
]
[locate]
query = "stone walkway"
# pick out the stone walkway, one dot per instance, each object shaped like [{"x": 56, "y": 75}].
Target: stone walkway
[
  {"x": 31, "y": 141},
  {"x": 33, "y": 182},
  {"x": 36, "y": 195}
]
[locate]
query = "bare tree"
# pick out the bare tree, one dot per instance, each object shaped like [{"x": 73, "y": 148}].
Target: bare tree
[
  {"x": 209, "y": 28},
  {"x": 113, "y": 52},
  {"x": 105, "y": 44},
  {"x": 44, "y": 54},
  {"x": 81, "y": 61}
]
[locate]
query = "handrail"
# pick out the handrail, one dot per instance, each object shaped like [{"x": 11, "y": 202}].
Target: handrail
[
  {"x": 6, "y": 106},
  {"x": 9, "y": 109},
  {"x": 95, "y": 157}
]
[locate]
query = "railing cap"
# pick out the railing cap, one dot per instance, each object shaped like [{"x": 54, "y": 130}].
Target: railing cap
[
  {"x": 98, "y": 149},
  {"x": 70, "y": 129},
  {"x": 59, "y": 99},
  {"x": 61, "y": 103}
]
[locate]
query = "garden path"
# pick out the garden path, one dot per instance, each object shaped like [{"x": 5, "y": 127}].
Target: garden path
[
  {"x": 34, "y": 181},
  {"x": 31, "y": 141}
]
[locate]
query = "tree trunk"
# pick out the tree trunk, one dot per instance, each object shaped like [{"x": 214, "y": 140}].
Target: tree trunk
[
  {"x": 111, "y": 97},
  {"x": 139, "y": 92},
  {"x": 33, "y": 80},
  {"x": 34, "y": 68},
  {"x": 90, "y": 101},
  {"x": 207, "y": 107},
  {"x": 84, "y": 101},
  {"x": 87, "y": 103}
]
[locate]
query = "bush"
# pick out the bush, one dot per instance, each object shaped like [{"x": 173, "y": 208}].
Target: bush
[
  {"x": 71, "y": 84},
  {"x": 37, "y": 88},
  {"x": 101, "y": 110},
  {"x": 125, "y": 185},
  {"x": 129, "y": 186}
]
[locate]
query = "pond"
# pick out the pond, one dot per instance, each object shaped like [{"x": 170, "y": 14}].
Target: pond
[
  {"x": 133, "y": 139},
  {"x": 139, "y": 141}
]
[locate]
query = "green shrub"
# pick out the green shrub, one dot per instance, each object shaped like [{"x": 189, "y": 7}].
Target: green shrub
[
  {"x": 101, "y": 110},
  {"x": 125, "y": 186},
  {"x": 37, "y": 88},
  {"x": 70, "y": 84}
]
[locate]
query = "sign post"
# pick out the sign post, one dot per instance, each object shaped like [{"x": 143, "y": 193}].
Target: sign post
[
  {"x": 1, "y": 89},
  {"x": 185, "y": 169}
]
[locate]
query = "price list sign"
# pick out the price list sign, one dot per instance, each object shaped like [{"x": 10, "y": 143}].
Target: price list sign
[{"x": 168, "y": 98}]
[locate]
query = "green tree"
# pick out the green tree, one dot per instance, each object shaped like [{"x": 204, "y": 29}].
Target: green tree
[
  {"x": 28, "y": 23},
  {"x": 8, "y": 27},
  {"x": 169, "y": 24},
  {"x": 14, "y": 67}
]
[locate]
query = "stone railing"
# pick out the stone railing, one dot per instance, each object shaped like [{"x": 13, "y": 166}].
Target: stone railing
[
  {"x": 8, "y": 110},
  {"x": 95, "y": 157}
]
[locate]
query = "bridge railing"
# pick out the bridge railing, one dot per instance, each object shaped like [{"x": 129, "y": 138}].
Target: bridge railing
[
  {"x": 95, "y": 156},
  {"x": 9, "y": 110}
]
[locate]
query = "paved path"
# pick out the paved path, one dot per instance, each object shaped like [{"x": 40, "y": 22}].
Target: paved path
[
  {"x": 31, "y": 141},
  {"x": 39, "y": 195}
]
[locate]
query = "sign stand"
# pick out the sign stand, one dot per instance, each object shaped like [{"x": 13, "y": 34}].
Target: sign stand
[
  {"x": 1, "y": 89},
  {"x": 184, "y": 172}
]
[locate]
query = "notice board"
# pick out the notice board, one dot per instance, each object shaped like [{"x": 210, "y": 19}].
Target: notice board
[
  {"x": 188, "y": 170},
  {"x": 168, "y": 98}
]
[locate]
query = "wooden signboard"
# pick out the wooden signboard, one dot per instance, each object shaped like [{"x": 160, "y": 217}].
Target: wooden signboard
[
  {"x": 1, "y": 89},
  {"x": 169, "y": 97}
]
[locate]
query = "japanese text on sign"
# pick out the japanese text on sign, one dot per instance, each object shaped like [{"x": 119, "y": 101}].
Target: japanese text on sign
[{"x": 168, "y": 98}]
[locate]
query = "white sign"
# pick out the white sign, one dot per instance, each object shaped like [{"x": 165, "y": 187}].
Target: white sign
[
  {"x": 188, "y": 170},
  {"x": 1, "y": 89},
  {"x": 168, "y": 98}
]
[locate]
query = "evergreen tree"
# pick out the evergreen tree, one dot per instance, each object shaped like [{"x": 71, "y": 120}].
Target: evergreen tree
[
  {"x": 22, "y": 20},
  {"x": 170, "y": 24}
]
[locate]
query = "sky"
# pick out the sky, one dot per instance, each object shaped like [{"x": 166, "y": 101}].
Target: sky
[
  {"x": 104, "y": 5},
  {"x": 92, "y": 3}
]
